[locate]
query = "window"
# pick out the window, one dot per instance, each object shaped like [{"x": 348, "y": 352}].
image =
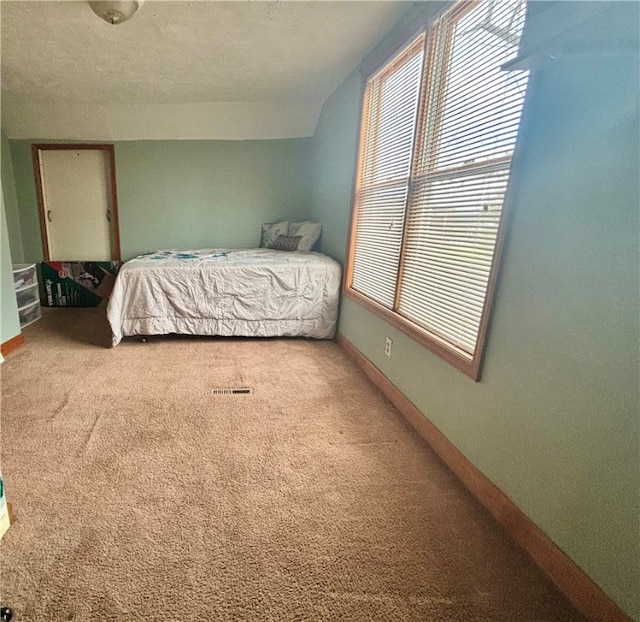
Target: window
[{"x": 439, "y": 125}]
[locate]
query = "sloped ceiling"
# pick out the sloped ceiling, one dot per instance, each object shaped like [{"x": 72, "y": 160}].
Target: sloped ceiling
[{"x": 178, "y": 69}]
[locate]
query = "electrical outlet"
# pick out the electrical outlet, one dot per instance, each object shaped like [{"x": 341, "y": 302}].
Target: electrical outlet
[{"x": 387, "y": 346}]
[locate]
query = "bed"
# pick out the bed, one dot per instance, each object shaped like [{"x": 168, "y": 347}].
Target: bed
[{"x": 256, "y": 292}]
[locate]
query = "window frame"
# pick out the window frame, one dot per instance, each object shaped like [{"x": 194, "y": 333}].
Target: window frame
[{"x": 469, "y": 365}]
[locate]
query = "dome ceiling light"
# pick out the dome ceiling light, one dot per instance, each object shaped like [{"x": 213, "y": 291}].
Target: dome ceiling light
[{"x": 115, "y": 12}]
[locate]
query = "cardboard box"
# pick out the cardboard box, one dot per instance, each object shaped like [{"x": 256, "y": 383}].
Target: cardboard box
[{"x": 76, "y": 283}]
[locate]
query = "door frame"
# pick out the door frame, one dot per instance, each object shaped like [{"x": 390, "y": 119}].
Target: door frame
[{"x": 36, "y": 150}]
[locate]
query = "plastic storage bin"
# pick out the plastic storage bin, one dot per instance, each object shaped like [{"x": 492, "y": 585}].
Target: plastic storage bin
[
  {"x": 25, "y": 284},
  {"x": 27, "y": 295},
  {"x": 29, "y": 314},
  {"x": 24, "y": 275}
]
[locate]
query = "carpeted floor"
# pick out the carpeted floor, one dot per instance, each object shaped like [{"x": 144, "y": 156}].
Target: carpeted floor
[{"x": 140, "y": 495}]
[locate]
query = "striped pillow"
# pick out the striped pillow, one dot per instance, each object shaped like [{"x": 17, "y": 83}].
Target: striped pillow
[{"x": 286, "y": 243}]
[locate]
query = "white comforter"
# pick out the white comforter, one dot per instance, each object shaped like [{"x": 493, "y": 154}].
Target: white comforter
[{"x": 251, "y": 293}]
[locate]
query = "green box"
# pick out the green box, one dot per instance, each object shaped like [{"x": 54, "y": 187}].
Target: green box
[{"x": 76, "y": 283}]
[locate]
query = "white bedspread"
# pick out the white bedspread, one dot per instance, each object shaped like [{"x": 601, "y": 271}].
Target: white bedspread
[{"x": 251, "y": 293}]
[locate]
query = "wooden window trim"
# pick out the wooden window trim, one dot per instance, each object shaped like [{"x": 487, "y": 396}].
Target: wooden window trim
[
  {"x": 417, "y": 333},
  {"x": 469, "y": 365},
  {"x": 408, "y": 29}
]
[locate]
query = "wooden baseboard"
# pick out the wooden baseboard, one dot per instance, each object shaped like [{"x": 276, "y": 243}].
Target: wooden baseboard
[
  {"x": 592, "y": 602},
  {"x": 11, "y": 344}
]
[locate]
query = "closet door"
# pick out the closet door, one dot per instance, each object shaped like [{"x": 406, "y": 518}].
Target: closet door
[{"x": 78, "y": 213}]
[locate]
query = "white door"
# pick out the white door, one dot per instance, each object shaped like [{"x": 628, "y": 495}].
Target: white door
[{"x": 77, "y": 204}]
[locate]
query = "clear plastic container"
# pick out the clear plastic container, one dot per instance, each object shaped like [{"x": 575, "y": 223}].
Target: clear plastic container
[
  {"x": 27, "y": 295},
  {"x": 29, "y": 314},
  {"x": 24, "y": 275}
]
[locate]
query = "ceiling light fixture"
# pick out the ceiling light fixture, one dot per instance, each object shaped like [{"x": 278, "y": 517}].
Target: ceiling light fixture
[{"x": 115, "y": 12}]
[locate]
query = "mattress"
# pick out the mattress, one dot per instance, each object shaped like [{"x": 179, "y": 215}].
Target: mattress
[{"x": 227, "y": 292}]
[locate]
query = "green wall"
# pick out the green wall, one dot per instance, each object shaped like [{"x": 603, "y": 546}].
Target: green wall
[
  {"x": 10, "y": 252},
  {"x": 555, "y": 420},
  {"x": 10, "y": 246},
  {"x": 9, "y": 322},
  {"x": 189, "y": 194},
  {"x": 334, "y": 163},
  {"x": 11, "y": 202}
]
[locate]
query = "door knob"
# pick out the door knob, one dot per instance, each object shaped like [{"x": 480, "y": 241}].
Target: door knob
[
  {"x": 49, "y": 215},
  {"x": 109, "y": 215}
]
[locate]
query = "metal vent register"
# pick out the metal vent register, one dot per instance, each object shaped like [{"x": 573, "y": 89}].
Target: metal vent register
[{"x": 233, "y": 391}]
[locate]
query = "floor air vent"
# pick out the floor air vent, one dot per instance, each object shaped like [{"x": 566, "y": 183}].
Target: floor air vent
[{"x": 233, "y": 391}]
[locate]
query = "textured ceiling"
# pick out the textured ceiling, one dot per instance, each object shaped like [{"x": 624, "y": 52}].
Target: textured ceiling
[{"x": 57, "y": 55}]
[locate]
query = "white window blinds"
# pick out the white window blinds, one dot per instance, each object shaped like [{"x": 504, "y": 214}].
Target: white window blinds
[
  {"x": 464, "y": 156},
  {"x": 439, "y": 128},
  {"x": 390, "y": 108}
]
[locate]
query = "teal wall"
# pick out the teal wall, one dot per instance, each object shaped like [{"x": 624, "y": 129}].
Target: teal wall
[
  {"x": 335, "y": 147},
  {"x": 11, "y": 202},
  {"x": 189, "y": 194},
  {"x": 9, "y": 322},
  {"x": 555, "y": 420},
  {"x": 10, "y": 246}
]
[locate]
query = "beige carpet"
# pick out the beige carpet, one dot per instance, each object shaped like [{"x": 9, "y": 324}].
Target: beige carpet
[{"x": 140, "y": 495}]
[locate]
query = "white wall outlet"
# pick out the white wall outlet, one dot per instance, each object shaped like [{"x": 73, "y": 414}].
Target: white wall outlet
[{"x": 387, "y": 346}]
